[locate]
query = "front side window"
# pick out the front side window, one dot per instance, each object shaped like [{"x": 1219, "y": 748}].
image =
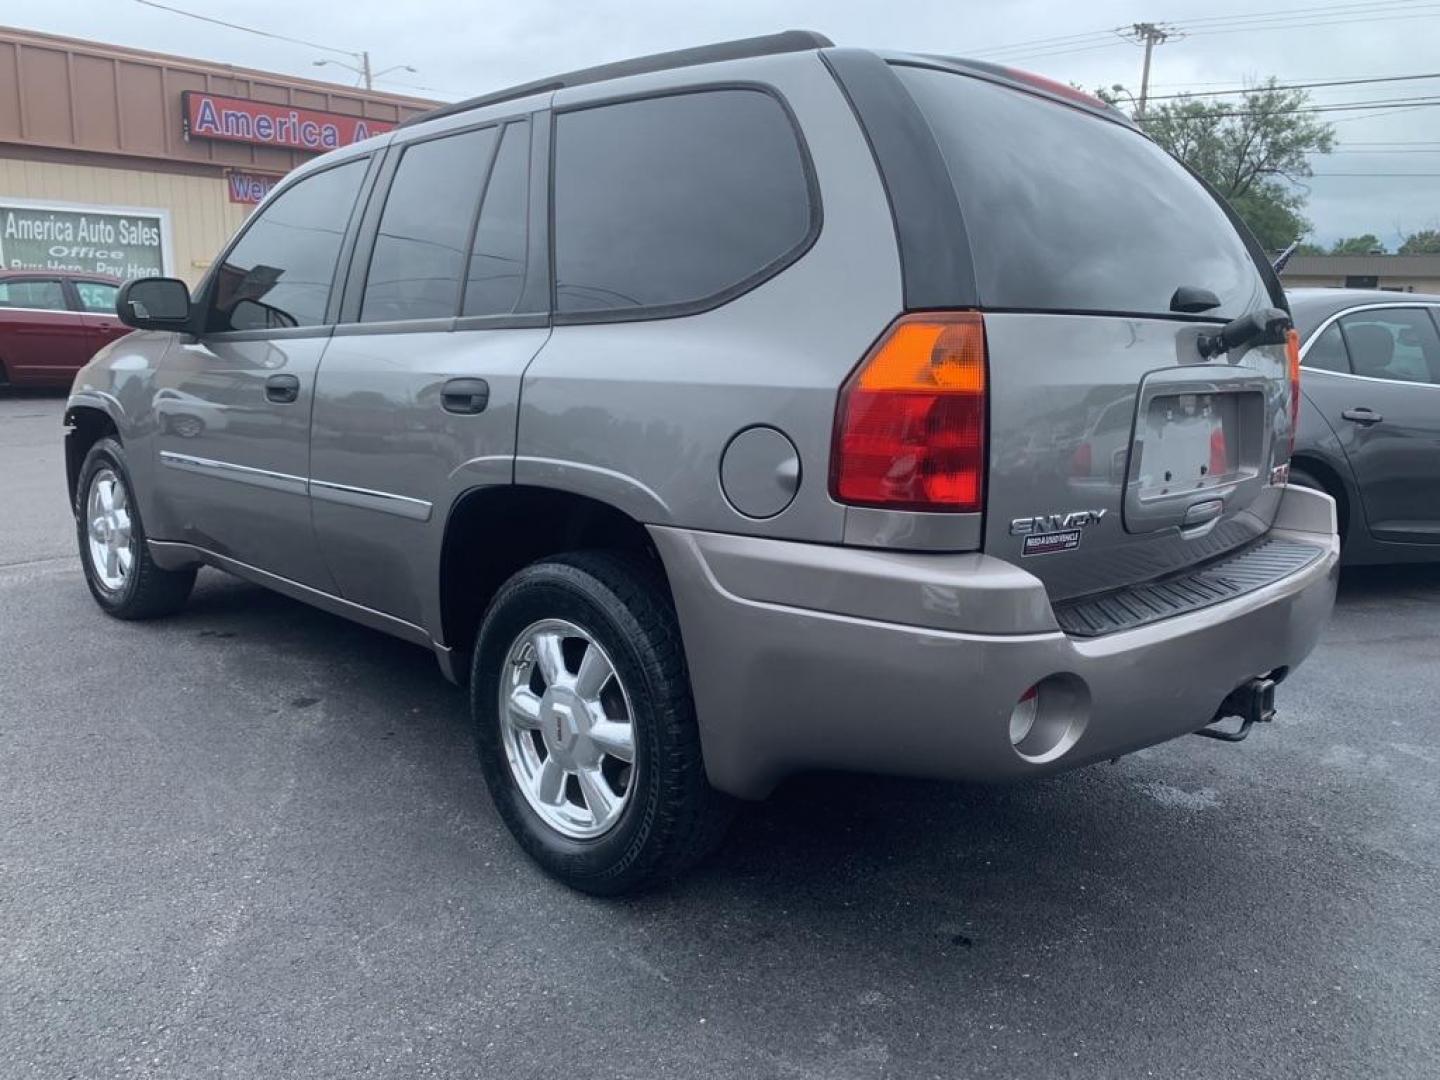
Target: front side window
[
  {"x": 46, "y": 294},
  {"x": 675, "y": 200},
  {"x": 1328, "y": 351},
  {"x": 419, "y": 258},
  {"x": 97, "y": 296},
  {"x": 279, "y": 274},
  {"x": 1393, "y": 343}
]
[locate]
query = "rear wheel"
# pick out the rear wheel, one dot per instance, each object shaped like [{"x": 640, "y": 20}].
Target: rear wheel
[
  {"x": 585, "y": 725},
  {"x": 123, "y": 578}
]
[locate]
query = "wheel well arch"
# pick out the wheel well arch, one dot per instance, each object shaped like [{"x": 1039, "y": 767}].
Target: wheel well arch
[
  {"x": 493, "y": 532},
  {"x": 85, "y": 426},
  {"x": 1334, "y": 484}
]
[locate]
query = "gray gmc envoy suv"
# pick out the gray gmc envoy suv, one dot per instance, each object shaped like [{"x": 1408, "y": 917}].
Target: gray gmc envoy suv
[{"x": 721, "y": 414}]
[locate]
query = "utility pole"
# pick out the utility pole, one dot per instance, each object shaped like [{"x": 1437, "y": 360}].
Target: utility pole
[
  {"x": 369, "y": 84},
  {"x": 1149, "y": 35}
]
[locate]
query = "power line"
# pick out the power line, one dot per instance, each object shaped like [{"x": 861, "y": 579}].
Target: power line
[
  {"x": 247, "y": 29},
  {"x": 1299, "y": 86},
  {"x": 1062, "y": 45},
  {"x": 1369, "y": 19},
  {"x": 1210, "y": 23},
  {"x": 1344, "y": 106}
]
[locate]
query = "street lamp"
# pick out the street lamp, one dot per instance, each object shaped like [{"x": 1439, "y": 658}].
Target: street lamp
[{"x": 363, "y": 68}]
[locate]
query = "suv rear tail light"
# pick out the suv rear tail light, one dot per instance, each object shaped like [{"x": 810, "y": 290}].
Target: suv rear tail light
[
  {"x": 1292, "y": 355},
  {"x": 910, "y": 429}
]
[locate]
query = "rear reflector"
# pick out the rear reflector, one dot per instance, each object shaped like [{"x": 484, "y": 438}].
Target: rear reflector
[
  {"x": 910, "y": 429},
  {"x": 1022, "y": 717}
]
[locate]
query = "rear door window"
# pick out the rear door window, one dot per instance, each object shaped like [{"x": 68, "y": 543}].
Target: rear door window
[
  {"x": 1071, "y": 212},
  {"x": 498, "y": 254},
  {"x": 675, "y": 201},
  {"x": 280, "y": 272},
  {"x": 419, "y": 257},
  {"x": 1393, "y": 343},
  {"x": 1328, "y": 352}
]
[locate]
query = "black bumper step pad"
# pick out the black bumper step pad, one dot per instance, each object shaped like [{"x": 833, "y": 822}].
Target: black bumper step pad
[{"x": 1210, "y": 583}]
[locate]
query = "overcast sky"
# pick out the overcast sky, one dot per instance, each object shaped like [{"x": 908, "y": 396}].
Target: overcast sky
[{"x": 467, "y": 48}]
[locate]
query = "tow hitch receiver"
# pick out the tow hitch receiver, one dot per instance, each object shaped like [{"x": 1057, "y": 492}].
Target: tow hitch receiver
[{"x": 1253, "y": 703}]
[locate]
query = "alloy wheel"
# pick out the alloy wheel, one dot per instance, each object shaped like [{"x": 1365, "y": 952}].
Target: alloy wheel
[{"x": 568, "y": 728}]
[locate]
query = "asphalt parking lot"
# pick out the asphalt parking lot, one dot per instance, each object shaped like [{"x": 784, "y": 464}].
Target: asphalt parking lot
[{"x": 252, "y": 841}]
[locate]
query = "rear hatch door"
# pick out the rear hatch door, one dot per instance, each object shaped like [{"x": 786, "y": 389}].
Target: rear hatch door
[{"x": 1118, "y": 454}]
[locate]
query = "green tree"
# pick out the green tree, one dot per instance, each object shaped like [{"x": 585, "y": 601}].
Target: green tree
[
  {"x": 1251, "y": 151},
  {"x": 1368, "y": 244},
  {"x": 1309, "y": 249},
  {"x": 1424, "y": 242}
]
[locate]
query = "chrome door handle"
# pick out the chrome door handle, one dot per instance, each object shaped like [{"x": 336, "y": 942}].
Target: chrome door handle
[
  {"x": 282, "y": 389},
  {"x": 1362, "y": 416}
]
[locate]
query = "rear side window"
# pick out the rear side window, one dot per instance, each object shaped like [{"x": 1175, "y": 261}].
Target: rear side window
[
  {"x": 497, "y": 258},
  {"x": 1328, "y": 352},
  {"x": 1393, "y": 343},
  {"x": 279, "y": 274},
  {"x": 675, "y": 201},
  {"x": 419, "y": 257},
  {"x": 1070, "y": 212}
]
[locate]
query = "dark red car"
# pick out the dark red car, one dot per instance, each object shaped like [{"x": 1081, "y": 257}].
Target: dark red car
[{"x": 52, "y": 323}]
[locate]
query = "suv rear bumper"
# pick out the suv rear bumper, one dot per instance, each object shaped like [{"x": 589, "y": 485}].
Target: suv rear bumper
[{"x": 804, "y": 657}]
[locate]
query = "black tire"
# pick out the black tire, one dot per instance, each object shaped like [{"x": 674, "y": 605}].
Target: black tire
[
  {"x": 1301, "y": 478},
  {"x": 673, "y": 817},
  {"x": 147, "y": 591}
]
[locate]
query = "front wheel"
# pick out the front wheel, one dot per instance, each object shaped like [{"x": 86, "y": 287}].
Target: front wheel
[
  {"x": 122, "y": 576},
  {"x": 585, "y": 724}
]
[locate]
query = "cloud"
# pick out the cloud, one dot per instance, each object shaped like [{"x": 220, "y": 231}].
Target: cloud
[{"x": 464, "y": 49}]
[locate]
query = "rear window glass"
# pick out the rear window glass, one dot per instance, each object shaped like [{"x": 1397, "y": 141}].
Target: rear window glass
[{"x": 1067, "y": 211}]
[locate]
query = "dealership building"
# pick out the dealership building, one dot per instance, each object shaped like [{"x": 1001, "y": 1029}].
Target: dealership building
[{"x": 132, "y": 163}]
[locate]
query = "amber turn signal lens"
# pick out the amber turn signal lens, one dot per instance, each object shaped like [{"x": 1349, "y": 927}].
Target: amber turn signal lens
[
  {"x": 1292, "y": 356},
  {"x": 910, "y": 429}
]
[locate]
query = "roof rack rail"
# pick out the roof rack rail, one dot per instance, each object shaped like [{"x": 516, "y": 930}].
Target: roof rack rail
[{"x": 769, "y": 44}]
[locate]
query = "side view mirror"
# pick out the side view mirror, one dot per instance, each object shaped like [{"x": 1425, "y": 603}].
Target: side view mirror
[{"x": 156, "y": 303}]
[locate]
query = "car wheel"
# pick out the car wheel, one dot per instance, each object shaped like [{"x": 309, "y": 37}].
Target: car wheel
[
  {"x": 122, "y": 576},
  {"x": 586, "y": 728}
]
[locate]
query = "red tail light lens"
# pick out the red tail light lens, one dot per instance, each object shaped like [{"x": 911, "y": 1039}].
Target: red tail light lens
[
  {"x": 1292, "y": 355},
  {"x": 910, "y": 430}
]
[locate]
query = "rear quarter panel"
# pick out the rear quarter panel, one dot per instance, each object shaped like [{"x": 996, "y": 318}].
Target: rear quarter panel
[{"x": 638, "y": 414}]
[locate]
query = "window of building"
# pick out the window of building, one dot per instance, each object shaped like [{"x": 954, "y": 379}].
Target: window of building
[
  {"x": 675, "y": 200},
  {"x": 281, "y": 271}
]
